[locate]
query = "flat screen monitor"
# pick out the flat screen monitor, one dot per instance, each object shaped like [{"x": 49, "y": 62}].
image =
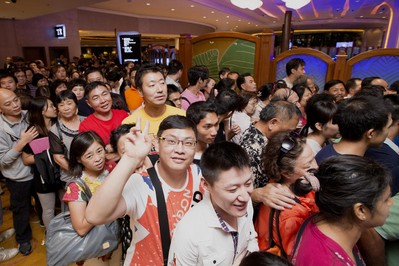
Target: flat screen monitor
[{"x": 344, "y": 44}]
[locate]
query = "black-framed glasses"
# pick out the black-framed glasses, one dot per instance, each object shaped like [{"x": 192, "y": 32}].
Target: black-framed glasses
[
  {"x": 173, "y": 142},
  {"x": 288, "y": 144}
]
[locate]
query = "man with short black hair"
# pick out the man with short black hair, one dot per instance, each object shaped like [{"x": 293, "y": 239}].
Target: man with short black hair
[
  {"x": 353, "y": 86},
  {"x": 205, "y": 117},
  {"x": 246, "y": 82},
  {"x": 363, "y": 123},
  {"x": 223, "y": 229},
  {"x": 197, "y": 78},
  {"x": 175, "y": 70},
  {"x": 295, "y": 68},
  {"x": 125, "y": 192},
  {"x": 150, "y": 83}
]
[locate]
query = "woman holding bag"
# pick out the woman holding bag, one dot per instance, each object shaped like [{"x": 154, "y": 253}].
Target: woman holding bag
[
  {"x": 87, "y": 163},
  {"x": 42, "y": 113}
]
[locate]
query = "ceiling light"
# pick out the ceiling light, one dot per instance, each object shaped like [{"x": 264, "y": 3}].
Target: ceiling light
[
  {"x": 250, "y": 4},
  {"x": 172, "y": 9},
  {"x": 213, "y": 12},
  {"x": 148, "y": 4},
  {"x": 7, "y": 2},
  {"x": 227, "y": 16},
  {"x": 361, "y": 16},
  {"x": 296, "y": 4},
  {"x": 204, "y": 17},
  {"x": 191, "y": 5}
]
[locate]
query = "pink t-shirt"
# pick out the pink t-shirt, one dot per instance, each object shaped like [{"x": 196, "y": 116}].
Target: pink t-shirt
[
  {"x": 191, "y": 98},
  {"x": 317, "y": 249}
]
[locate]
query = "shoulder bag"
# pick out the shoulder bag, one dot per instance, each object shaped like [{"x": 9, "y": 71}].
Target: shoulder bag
[{"x": 64, "y": 246}]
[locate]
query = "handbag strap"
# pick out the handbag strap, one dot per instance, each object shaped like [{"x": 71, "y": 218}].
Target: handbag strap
[
  {"x": 275, "y": 213},
  {"x": 300, "y": 233},
  {"x": 162, "y": 214},
  {"x": 57, "y": 124}
]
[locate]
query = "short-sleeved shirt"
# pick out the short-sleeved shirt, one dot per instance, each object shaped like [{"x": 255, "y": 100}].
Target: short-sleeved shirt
[
  {"x": 191, "y": 98},
  {"x": 254, "y": 142},
  {"x": 133, "y": 98},
  {"x": 141, "y": 205},
  {"x": 325, "y": 153},
  {"x": 154, "y": 121},
  {"x": 75, "y": 193},
  {"x": 103, "y": 127},
  {"x": 390, "y": 232},
  {"x": 317, "y": 249}
]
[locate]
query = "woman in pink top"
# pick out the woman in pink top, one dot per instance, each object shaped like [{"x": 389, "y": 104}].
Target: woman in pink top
[{"x": 354, "y": 196}]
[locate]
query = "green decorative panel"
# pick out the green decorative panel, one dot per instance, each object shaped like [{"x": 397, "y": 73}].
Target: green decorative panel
[{"x": 236, "y": 54}]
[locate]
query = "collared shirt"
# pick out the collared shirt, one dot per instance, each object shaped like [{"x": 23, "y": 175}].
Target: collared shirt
[
  {"x": 200, "y": 238},
  {"x": 234, "y": 234},
  {"x": 254, "y": 142}
]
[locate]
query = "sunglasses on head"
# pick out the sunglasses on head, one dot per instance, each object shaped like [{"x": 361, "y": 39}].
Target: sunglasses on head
[{"x": 288, "y": 144}]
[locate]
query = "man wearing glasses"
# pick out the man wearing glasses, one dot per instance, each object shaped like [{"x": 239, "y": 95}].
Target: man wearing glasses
[{"x": 126, "y": 192}]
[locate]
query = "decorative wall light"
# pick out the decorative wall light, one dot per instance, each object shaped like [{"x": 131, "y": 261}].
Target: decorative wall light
[
  {"x": 250, "y": 4},
  {"x": 296, "y": 4}
]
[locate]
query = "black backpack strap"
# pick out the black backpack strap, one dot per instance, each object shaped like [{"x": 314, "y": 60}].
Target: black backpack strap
[
  {"x": 57, "y": 124},
  {"x": 283, "y": 253},
  {"x": 270, "y": 235},
  {"x": 185, "y": 99},
  {"x": 300, "y": 233},
  {"x": 162, "y": 214}
]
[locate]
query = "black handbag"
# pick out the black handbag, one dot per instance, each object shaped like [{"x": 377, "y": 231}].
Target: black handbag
[{"x": 64, "y": 246}]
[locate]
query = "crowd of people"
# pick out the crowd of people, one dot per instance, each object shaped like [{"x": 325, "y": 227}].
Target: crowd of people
[{"x": 286, "y": 173}]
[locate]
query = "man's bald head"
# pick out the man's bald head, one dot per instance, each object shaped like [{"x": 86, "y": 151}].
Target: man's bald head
[{"x": 10, "y": 104}]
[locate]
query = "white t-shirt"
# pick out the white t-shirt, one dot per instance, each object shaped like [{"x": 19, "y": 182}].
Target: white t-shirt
[{"x": 141, "y": 205}]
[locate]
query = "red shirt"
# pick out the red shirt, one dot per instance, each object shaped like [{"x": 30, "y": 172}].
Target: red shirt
[{"x": 103, "y": 127}]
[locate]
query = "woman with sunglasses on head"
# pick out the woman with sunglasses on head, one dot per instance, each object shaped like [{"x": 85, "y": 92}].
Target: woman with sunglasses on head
[
  {"x": 289, "y": 161},
  {"x": 355, "y": 196}
]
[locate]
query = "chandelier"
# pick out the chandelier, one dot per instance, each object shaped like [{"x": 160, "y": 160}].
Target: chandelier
[
  {"x": 250, "y": 4},
  {"x": 296, "y": 4}
]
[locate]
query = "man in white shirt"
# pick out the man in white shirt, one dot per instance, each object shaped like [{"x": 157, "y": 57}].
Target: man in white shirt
[{"x": 219, "y": 230}]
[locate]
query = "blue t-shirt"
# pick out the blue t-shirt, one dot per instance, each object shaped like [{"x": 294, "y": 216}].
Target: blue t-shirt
[{"x": 326, "y": 153}]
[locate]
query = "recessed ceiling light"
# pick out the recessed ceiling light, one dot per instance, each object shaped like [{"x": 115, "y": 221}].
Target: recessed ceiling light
[
  {"x": 256, "y": 25},
  {"x": 227, "y": 16},
  {"x": 148, "y": 4},
  {"x": 227, "y": 22},
  {"x": 204, "y": 17},
  {"x": 172, "y": 9},
  {"x": 192, "y": 6},
  {"x": 249, "y": 23},
  {"x": 361, "y": 16},
  {"x": 239, "y": 20},
  {"x": 217, "y": 20},
  {"x": 213, "y": 12}
]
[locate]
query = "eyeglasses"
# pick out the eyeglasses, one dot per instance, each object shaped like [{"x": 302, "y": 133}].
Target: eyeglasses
[
  {"x": 173, "y": 142},
  {"x": 287, "y": 145}
]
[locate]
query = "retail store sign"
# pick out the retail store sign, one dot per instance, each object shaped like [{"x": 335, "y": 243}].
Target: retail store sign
[
  {"x": 60, "y": 32},
  {"x": 129, "y": 46}
]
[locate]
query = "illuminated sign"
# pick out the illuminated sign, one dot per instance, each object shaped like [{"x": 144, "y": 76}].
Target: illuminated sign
[
  {"x": 60, "y": 32},
  {"x": 129, "y": 46}
]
